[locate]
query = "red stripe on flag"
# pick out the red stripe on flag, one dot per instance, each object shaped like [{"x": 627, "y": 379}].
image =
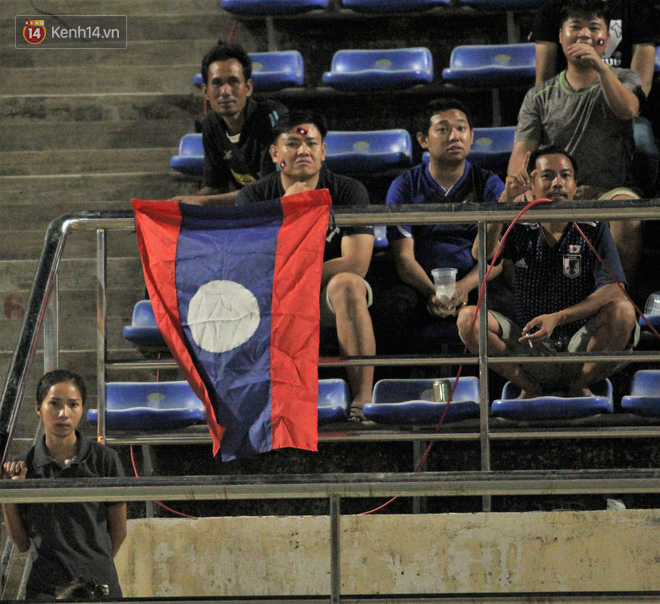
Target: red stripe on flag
[
  {"x": 294, "y": 347},
  {"x": 157, "y": 225}
]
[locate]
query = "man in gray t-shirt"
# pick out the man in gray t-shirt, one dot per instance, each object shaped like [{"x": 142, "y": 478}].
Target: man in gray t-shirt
[{"x": 588, "y": 109}]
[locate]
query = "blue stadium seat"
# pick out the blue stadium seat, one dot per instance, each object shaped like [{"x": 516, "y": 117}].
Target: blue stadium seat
[
  {"x": 271, "y": 7},
  {"x": 644, "y": 397},
  {"x": 368, "y": 151},
  {"x": 334, "y": 401},
  {"x": 273, "y": 70},
  {"x": 190, "y": 159},
  {"x": 412, "y": 402},
  {"x": 491, "y": 148},
  {"x": 171, "y": 405},
  {"x": 150, "y": 406},
  {"x": 485, "y": 66},
  {"x": 553, "y": 406},
  {"x": 379, "y": 69},
  {"x": 143, "y": 330},
  {"x": 392, "y": 6},
  {"x": 503, "y": 4},
  {"x": 657, "y": 59}
]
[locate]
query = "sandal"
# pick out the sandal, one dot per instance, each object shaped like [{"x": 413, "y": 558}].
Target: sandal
[{"x": 355, "y": 413}]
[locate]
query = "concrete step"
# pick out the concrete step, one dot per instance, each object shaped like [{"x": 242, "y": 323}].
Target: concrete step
[
  {"x": 73, "y": 161},
  {"x": 113, "y": 7},
  {"x": 74, "y": 274},
  {"x": 102, "y": 107},
  {"x": 99, "y": 79},
  {"x": 28, "y": 244},
  {"x": 139, "y": 52},
  {"x": 94, "y": 135},
  {"x": 36, "y": 207}
]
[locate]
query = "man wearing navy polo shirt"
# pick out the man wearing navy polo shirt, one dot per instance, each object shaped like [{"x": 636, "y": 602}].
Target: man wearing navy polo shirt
[
  {"x": 565, "y": 300},
  {"x": 444, "y": 129}
]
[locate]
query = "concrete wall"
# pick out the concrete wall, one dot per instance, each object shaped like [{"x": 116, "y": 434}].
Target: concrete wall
[{"x": 440, "y": 553}]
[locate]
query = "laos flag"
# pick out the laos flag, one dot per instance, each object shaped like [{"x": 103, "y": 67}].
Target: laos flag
[{"x": 235, "y": 292}]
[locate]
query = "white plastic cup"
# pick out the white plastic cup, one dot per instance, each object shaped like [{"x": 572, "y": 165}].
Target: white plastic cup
[
  {"x": 653, "y": 304},
  {"x": 445, "y": 281}
]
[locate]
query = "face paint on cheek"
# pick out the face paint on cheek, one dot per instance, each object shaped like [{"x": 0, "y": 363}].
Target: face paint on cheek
[
  {"x": 282, "y": 163},
  {"x": 600, "y": 42},
  {"x": 302, "y": 131}
]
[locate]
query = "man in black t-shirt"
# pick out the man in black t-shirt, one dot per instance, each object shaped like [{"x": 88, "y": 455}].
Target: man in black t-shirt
[
  {"x": 237, "y": 131},
  {"x": 298, "y": 151}
]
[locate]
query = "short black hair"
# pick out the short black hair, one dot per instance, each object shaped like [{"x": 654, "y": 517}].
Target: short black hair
[
  {"x": 58, "y": 376},
  {"x": 290, "y": 120},
  {"x": 550, "y": 150},
  {"x": 224, "y": 52},
  {"x": 584, "y": 8},
  {"x": 423, "y": 119}
]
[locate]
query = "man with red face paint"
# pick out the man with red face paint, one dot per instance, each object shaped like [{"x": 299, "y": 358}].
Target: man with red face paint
[{"x": 588, "y": 110}]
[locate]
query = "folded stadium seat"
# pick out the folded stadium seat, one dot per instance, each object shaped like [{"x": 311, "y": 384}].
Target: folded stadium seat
[
  {"x": 484, "y": 66},
  {"x": 150, "y": 406},
  {"x": 171, "y": 405},
  {"x": 271, "y": 7},
  {"x": 143, "y": 330},
  {"x": 334, "y": 401},
  {"x": 391, "y": 6},
  {"x": 273, "y": 70},
  {"x": 555, "y": 406},
  {"x": 379, "y": 69},
  {"x": 190, "y": 159},
  {"x": 492, "y": 66},
  {"x": 412, "y": 402},
  {"x": 657, "y": 59},
  {"x": 644, "y": 397},
  {"x": 503, "y": 4},
  {"x": 368, "y": 152}
]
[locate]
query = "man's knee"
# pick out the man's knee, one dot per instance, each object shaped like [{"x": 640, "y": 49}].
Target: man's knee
[
  {"x": 617, "y": 316},
  {"x": 464, "y": 322},
  {"x": 347, "y": 289}
]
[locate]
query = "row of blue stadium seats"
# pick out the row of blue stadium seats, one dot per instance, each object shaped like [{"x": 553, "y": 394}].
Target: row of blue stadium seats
[
  {"x": 289, "y": 7},
  {"x": 369, "y": 152},
  {"x": 171, "y": 405},
  {"x": 480, "y": 66}
]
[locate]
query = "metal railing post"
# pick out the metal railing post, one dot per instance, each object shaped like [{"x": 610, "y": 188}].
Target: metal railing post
[
  {"x": 101, "y": 329},
  {"x": 335, "y": 550}
]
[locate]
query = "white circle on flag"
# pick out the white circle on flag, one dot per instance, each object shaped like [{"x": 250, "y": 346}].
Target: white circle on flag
[{"x": 222, "y": 315}]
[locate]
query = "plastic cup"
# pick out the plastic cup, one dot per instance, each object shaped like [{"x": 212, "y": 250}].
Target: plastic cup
[
  {"x": 445, "y": 281},
  {"x": 653, "y": 304}
]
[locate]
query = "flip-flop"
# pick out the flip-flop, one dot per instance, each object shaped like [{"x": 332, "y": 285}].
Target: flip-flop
[{"x": 355, "y": 414}]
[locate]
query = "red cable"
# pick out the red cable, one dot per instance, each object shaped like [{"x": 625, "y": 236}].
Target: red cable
[{"x": 482, "y": 290}]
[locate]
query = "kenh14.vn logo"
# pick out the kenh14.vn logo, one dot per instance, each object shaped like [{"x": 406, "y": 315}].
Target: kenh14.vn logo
[{"x": 34, "y": 31}]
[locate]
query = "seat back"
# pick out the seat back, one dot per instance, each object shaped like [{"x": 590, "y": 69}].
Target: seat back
[
  {"x": 491, "y": 65},
  {"x": 334, "y": 401},
  {"x": 190, "y": 159},
  {"x": 503, "y": 4},
  {"x": 492, "y": 148},
  {"x": 271, "y": 7},
  {"x": 380, "y": 69},
  {"x": 143, "y": 330},
  {"x": 368, "y": 151}
]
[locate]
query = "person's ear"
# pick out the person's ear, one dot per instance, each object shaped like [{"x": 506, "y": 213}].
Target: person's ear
[
  {"x": 273, "y": 153},
  {"x": 323, "y": 150},
  {"x": 422, "y": 139},
  {"x": 249, "y": 87},
  {"x": 37, "y": 409}
]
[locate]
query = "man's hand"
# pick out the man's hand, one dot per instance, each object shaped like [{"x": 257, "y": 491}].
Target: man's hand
[
  {"x": 541, "y": 327},
  {"x": 193, "y": 200},
  {"x": 14, "y": 470},
  {"x": 586, "y": 55},
  {"x": 297, "y": 187},
  {"x": 449, "y": 307},
  {"x": 518, "y": 183}
]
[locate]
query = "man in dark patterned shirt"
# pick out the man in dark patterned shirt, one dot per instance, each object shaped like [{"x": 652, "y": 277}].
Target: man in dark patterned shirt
[{"x": 564, "y": 299}]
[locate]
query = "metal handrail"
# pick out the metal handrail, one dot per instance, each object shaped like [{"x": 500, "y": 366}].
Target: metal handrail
[{"x": 60, "y": 228}]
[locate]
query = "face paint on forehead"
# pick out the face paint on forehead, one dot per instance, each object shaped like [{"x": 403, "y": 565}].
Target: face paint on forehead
[{"x": 302, "y": 131}]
